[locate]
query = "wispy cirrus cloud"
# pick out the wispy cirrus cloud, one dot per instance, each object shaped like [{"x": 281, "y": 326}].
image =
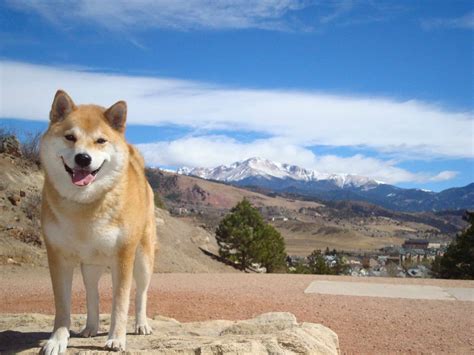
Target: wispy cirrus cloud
[
  {"x": 127, "y": 16},
  {"x": 302, "y": 118},
  {"x": 338, "y": 9},
  {"x": 169, "y": 14},
  {"x": 463, "y": 22}
]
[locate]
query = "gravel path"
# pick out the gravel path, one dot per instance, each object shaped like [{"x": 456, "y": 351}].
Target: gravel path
[{"x": 364, "y": 324}]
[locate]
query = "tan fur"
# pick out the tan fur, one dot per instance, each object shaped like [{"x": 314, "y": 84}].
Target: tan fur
[{"x": 115, "y": 228}]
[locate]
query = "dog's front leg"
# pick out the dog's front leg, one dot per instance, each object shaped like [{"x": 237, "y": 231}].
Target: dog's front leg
[
  {"x": 61, "y": 276},
  {"x": 91, "y": 275},
  {"x": 122, "y": 271}
]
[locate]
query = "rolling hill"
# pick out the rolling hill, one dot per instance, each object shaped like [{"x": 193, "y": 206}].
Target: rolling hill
[{"x": 306, "y": 223}]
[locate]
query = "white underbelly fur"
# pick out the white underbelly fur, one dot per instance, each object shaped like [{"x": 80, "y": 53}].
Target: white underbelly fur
[{"x": 95, "y": 244}]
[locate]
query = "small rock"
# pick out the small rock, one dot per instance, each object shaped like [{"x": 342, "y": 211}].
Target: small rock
[
  {"x": 14, "y": 199},
  {"x": 22, "y": 193},
  {"x": 11, "y": 146},
  {"x": 13, "y": 262}
]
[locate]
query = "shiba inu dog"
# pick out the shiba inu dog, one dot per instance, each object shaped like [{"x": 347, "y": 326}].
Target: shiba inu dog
[{"x": 97, "y": 211}]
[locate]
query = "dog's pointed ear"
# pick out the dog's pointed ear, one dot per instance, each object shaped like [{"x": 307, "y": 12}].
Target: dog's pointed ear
[
  {"x": 62, "y": 106},
  {"x": 117, "y": 115}
]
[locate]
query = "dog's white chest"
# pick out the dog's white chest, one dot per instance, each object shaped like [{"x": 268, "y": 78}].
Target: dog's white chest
[{"x": 91, "y": 243}]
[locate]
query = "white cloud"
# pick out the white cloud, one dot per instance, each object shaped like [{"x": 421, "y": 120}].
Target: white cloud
[
  {"x": 462, "y": 22},
  {"x": 211, "y": 151},
  {"x": 302, "y": 118},
  {"x": 173, "y": 14},
  {"x": 444, "y": 175}
]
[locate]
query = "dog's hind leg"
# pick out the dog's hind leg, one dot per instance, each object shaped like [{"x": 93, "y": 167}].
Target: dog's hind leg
[
  {"x": 142, "y": 272},
  {"x": 91, "y": 275}
]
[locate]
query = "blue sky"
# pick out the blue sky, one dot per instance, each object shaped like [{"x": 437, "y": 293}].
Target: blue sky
[{"x": 378, "y": 88}]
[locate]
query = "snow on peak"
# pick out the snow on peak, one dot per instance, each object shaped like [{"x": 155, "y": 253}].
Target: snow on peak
[
  {"x": 184, "y": 170},
  {"x": 264, "y": 168}
]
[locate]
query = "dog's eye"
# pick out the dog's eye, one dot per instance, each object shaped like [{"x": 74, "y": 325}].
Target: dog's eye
[
  {"x": 101, "y": 141},
  {"x": 70, "y": 137}
]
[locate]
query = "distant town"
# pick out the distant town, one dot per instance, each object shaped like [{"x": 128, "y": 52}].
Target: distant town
[{"x": 414, "y": 258}]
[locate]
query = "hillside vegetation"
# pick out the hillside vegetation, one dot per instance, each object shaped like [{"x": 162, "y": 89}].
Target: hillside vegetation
[{"x": 305, "y": 224}]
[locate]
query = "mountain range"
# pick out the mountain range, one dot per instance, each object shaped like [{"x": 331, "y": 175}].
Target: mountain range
[{"x": 291, "y": 179}]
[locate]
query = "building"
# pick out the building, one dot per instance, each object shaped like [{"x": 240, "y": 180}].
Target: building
[
  {"x": 416, "y": 244},
  {"x": 434, "y": 245},
  {"x": 412, "y": 254},
  {"x": 278, "y": 218}
]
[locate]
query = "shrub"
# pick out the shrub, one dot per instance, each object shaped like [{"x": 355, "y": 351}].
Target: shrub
[
  {"x": 30, "y": 146},
  {"x": 300, "y": 268},
  {"x": 158, "y": 201},
  {"x": 317, "y": 264}
]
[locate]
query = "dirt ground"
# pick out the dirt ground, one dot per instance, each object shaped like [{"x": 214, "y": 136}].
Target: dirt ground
[{"x": 363, "y": 324}]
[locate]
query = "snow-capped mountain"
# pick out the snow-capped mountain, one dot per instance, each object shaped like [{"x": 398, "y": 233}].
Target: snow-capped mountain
[
  {"x": 263, "y": 168},
  {"x": 285, "y": 178}
]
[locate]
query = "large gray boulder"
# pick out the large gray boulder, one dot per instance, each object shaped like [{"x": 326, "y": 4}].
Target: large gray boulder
[{"x": 269, "y": 333}]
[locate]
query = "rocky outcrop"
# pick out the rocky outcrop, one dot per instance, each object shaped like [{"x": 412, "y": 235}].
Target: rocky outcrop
[
  {"x": 11, "y": 146},
  {"x": 269, "y": 333}
]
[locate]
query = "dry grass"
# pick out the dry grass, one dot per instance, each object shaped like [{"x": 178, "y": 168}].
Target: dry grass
[
  {"x": 303, "y": 244},
  {"x": 30, "y": 146}
]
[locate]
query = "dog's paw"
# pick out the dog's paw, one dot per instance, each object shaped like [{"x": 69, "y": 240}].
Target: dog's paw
[
  {"x": 143, "y": 329},
  {"x": 115, "y": 344},
  {"x": 88, "y": 332},
  {"x": 55, "y": 345}
]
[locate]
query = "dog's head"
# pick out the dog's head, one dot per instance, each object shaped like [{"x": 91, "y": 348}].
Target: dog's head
[{"x": 84, "y": 152}]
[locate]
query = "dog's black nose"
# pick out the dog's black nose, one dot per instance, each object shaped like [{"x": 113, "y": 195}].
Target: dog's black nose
[{"x": 83, "y": 160}]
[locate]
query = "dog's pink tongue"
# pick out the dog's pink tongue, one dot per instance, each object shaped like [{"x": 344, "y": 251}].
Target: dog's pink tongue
[{"x": 82, "y": 177}]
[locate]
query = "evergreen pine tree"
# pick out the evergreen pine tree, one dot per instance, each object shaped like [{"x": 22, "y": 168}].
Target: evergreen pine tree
[
  {"x": 458, "y": 261},
  {"x": 244, "y": 238}
]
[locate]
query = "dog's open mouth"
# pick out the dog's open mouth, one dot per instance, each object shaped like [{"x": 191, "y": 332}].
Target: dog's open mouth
[{"x": 81, "y": 177}]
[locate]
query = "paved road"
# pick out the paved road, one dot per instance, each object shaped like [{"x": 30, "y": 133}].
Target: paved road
[{"x": 421, "y": 292}]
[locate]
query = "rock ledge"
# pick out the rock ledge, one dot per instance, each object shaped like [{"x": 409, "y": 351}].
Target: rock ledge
[{"x": 274, "y": 333}]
